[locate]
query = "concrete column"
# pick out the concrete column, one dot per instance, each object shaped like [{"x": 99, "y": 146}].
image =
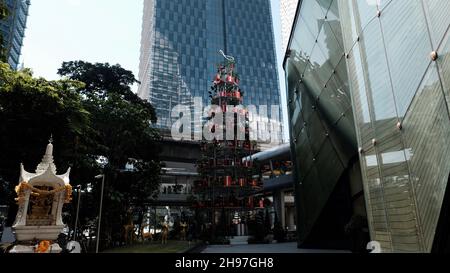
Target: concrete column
[
  {"x": 278, "y": 203},
  {"x": 356, "y": 186},
  {"x": 290, "y": 218}
]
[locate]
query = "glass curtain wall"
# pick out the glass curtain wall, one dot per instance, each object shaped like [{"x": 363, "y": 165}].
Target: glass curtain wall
[
  {"x": 179, "y": 51},
  {"x": 401, "y": 99},
  {"x": 378, "y": 71}
]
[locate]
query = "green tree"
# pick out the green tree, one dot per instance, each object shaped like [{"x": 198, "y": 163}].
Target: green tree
[
  {"x": 124, "y": 135},
  {"x": 31, "y": 110},
  {"x": 3, "y": 10},
  {"x": 98, "y": 125}
]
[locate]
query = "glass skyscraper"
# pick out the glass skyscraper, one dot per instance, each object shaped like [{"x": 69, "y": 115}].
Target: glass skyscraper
[
  {"x": 179, "y": 51},
  {"x": 13, "y": 29}
]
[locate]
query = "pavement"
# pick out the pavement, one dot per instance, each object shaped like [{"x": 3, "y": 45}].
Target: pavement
[
  {"x": 265, "y": 248},
  {"x": 7, "y": 236}
]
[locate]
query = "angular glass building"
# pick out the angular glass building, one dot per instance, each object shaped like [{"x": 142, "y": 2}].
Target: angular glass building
[
  {"x": 13, "y": 29},
  {"x": 179, "y": 51},
  {"x": 369, "y": 97}
]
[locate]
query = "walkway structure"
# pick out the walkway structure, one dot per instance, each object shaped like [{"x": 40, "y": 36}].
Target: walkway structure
[
  {"x": 275, "y": 168},
  {"x": 267, "y": 248}
]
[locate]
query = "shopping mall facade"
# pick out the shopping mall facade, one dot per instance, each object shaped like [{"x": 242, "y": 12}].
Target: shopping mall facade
[{"x": 368, "y": 86}]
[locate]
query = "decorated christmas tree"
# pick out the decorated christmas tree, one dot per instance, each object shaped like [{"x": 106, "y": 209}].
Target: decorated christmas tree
[{"x": 228, "y": 183}]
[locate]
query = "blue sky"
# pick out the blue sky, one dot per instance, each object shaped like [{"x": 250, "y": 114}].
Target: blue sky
[{"x": 93, "y": 31}]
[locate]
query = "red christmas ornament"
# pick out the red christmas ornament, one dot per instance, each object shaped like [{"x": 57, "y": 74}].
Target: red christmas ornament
[
  {"x": 250, "y": 202},
  {"x": 227, "y": 181},
  {"x": 217, "y": 79},
  {"x": 230, "y": 79},
  {"x": 242, "y": 182}
]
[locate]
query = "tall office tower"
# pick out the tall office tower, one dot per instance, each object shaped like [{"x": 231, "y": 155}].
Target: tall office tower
[
  {"x": 13, "y": 29},
  {"x": 287, "y": 9},
  {"x": 179, "y": 51}
]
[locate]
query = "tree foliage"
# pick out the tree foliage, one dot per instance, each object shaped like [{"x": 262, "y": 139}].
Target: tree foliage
[
  {"x": 31, "y": 110},
  {"x": 122, "y": 120},
  {"x": 123, "y": 136},
  {"x": 3, "y": 10},
  {"x": 98, "y": 125}
]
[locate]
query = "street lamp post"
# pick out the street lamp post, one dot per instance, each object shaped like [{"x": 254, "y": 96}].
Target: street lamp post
[
  {"x": 213, "y": 197},
  {"x": 102, "y": 176},
  {"x": 78, "y": 211}
]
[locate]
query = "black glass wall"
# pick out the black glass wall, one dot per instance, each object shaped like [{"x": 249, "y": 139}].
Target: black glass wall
[{"x": 322, "y": 125}]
